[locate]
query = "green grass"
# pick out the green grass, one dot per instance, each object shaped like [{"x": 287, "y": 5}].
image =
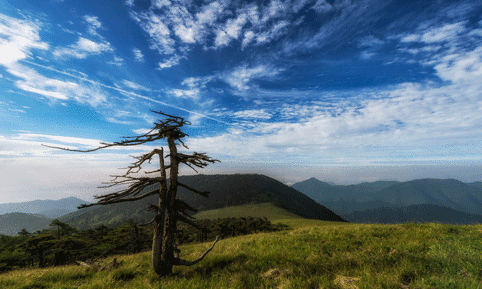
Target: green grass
[
  {"x": 313, "y": 254},
  {"x": 267, "y": 210}
]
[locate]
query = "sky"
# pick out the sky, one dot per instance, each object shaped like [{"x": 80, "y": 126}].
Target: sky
[{"x": 345, "y": 91}]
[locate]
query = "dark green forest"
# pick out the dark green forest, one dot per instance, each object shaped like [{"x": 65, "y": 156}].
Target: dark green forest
[{"x": 62, "y": 244}]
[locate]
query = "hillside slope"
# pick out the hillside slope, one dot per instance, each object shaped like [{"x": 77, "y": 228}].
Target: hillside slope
[
  {"x": 226, "y": 190},
  {"x": 268, "y": 210},
  {"x": 12, "y": 223}
]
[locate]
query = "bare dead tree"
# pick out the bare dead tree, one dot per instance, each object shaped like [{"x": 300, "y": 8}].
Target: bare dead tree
[{"x": 169, "y": 210}]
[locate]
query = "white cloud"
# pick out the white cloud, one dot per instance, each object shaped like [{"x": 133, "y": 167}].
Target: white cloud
[
  {"x": 174, "y": 60},
  {"x": 445, "y": 33},
  {"x": 349, "y": 14},
  {"x": 138, "y": 56},
  {"x": 253, "y": 114},
  {"x": 31, "y": 81},
  {"x": 43, "y": 92},
  {"x": 185, "y": 93},
  {"x": 83, "y": 48},
  {"x": 141, "y": 130},
  {"x": 187, "y": 34},
  {"x": 118, "y": 121},
  {"x": 90, "y": 143},
  {"x": 465, "y": 67},
  {"x": 421, "y": 122},
  {"x": 197, "y": 82},
  {"x": 117, "y": 61},
  {"x": 371, "y": 42},
  {"x": 321, "y": 6},
  {"x": 210, "y": 13},
  {"x": 158, "y": 31},
  {"x": 241, "y": 76},
  {"x": 231, "y": 30},
  {"x": 173, "y": 28},
  {"x": 365, "y": 55},
  {"x": 130, "y": 3},
  {"x": 299, "y": 4},
  {"x": 248, "y": 38},
  {"x": 275, "y": 32},
  {"x": 274, "y": 10},
  {"x": 17, "y": 39},
  {"x": 134, "y": 85},
  {"x": 93, "y": 24},
  {"x": 159, "y": 4}
]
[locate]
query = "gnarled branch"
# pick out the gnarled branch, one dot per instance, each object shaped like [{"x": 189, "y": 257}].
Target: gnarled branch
[
  {"x": 181, "y": 262},
  {"x": 204, "y": 194}
]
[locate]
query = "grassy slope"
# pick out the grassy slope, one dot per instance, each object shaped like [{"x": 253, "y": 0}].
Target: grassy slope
[
  {"x": 316, "y": 254},
  {"x": 267, "y": 210}
]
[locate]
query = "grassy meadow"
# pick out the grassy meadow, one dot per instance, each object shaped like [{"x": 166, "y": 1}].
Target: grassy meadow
[{"x": 311, "y": 254}]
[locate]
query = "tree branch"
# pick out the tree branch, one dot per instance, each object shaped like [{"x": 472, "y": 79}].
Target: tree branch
[
  {"x": 118, "y": 200},
  {"x": 182, "y": 262},
  {"x": 204, "y": 194}
]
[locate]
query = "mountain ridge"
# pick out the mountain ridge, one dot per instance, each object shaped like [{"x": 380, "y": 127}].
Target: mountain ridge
[
  {"x": 385, "y": 196},
  {"x": 48, "y": 208},
  {"x": 225, "y": 191}
]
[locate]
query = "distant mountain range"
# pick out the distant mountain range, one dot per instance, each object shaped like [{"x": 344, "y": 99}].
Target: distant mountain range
[
  {"x": 424, "y": 200},
  {"x": 47, "y": 208},
  {"x": 225, "y": 191}
]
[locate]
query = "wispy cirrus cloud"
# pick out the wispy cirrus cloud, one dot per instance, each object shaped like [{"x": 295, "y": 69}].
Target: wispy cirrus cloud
[
  {"x": 93, "y": 25},
  {"x": 445, "y": 33},
  {"x": 18, "y": 38},
  {"x": 253, "y": 114},
  {"x": 134, "y": 85},
  {"x": 174, "y": 27},
  {"x": 172, "y": 61},
  {"x": 83, "y": 48},
  {"x": 185, "y": 93},
  {"x": 241, "y": 76},
  {"x": 15, "y": 48},
  {"x": 138, "y": 55}
]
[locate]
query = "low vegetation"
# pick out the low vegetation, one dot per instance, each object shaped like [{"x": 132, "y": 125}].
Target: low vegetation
[
  {"x": 311, "y": 254},
  {"x": 64, "y": 245}
]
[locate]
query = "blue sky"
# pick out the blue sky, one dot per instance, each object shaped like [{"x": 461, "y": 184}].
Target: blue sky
[{"x": 344, "y": 91}]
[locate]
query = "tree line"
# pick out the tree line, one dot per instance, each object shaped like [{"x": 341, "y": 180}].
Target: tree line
[{"x": 63, "y": 244}]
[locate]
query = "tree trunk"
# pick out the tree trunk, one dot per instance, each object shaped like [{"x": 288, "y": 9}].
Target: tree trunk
[
  {"x": 168, "y": 234},
  {"x": 165, "y": 222},
  {"x": 157, "y": 245}
]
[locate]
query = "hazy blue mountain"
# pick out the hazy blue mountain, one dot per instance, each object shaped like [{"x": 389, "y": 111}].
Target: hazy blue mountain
[
  {"x": 322, "y": 191},
  {"x": 12, "y": 223},
  {"x": 415, "y": 213},
  {"x": 381, "y": 200},
  {"x": 476, "y": 185},
  {"x": 49, "y": 208},
  {"x": 449, "y": 193},
  {"x": 226, "y": 190},
  {"x": 370, "y": 187},
  {"x": 318, "y": 190}
]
